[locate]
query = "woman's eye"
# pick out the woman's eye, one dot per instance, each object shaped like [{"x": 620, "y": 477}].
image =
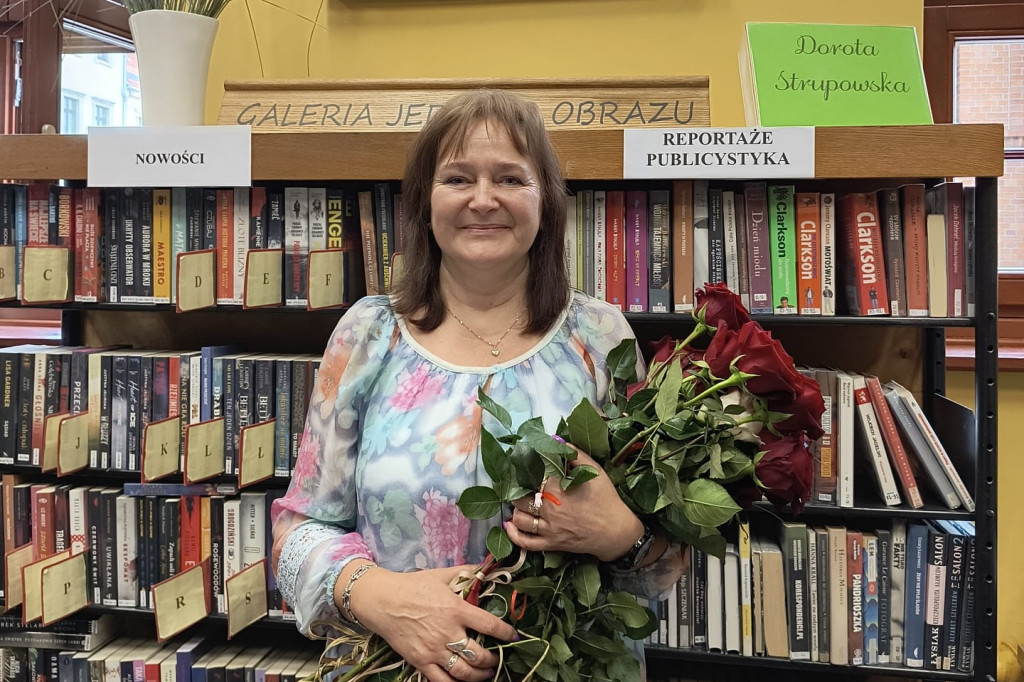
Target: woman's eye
[
  {"x": 511, "y": 180},
  {"x": 455, "y": 180}
]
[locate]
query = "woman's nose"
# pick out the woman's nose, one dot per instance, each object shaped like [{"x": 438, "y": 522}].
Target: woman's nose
[{"x": 485, "y": 196}]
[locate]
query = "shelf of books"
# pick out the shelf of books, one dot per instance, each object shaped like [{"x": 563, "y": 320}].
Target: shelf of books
[{"x": 890, "y": 569}]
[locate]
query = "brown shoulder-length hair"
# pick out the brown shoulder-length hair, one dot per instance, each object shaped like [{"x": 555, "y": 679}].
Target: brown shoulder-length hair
[{"x": 418, "y": 293}]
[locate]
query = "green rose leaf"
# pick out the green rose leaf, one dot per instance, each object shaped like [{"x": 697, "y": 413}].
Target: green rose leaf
[
  {"x": 479, "y": 503},
  {"x": 602, "y": 648},
  {"x": 560, "y": 651},
  {"x": 627, "y": 609},
  {"x": 715, "y": 459},
  {"x": 638, "y": 400},
  {"x": 647, "y": 628},
  {"x": 712, "y": 544},
  {"x": 672, "y": 489},
  {"x": 495, "y": 460},
  {"x": 624, "y": 668},
  {"x": 534, "y": 585},
  {"x": 668, "y": 392},
  {"x": 588, "y": 430},
  {"x": 580, "y": 474},
  {"x": 528, "y": 465},
  {"x": 493, "y": 408},
  {"x": 708, "y": 504},
  {"x": 569, "y": 674},
  {"x": 553, "y": 560},
  {"x": 587, "y": 581},
  {"x": 621, "y": 360},
  {"x": 644, "y": 491},
  {"x": 673, "y": 520},
  {"x": 498, "y": 543}
]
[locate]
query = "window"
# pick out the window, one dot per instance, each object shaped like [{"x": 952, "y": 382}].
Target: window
[
  {"x": 102, "y": 58},
  {"x": 101, "y": 114},
  {"x": 973, "y": 55},
  {"x": 70, "y": 114}
]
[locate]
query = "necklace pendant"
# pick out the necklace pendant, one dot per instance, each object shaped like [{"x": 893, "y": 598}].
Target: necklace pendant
[{"x": 494, "y": 352}]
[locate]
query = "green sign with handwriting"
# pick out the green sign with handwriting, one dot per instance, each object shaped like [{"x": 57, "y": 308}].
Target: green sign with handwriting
[{"x": 832, "y": 75}]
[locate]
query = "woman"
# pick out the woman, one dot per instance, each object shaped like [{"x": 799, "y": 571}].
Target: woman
[{"x": 392, "y": 435}]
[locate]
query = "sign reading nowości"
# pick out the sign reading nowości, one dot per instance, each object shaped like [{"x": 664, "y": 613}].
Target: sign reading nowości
[
  {"x": 706, "y": 153},
  {"x": 170, "y": 156}
]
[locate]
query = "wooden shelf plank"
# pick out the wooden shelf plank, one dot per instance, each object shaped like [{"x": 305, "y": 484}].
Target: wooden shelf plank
[{"x": 857, "y": 152}]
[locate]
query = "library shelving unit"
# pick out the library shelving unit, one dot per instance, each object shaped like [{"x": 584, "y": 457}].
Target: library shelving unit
[{"x": 911, "y": 350}]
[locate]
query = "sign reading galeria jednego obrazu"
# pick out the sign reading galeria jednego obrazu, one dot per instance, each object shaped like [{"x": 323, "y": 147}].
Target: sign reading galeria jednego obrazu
[{"x": 404, "y": 106}]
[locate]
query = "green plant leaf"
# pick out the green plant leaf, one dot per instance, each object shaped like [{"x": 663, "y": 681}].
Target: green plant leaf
[
  {"x": 578, "y": 475},
  {"x": 587, "y": 581},
  {"x": 588, "y": 430},
  {"x": 528, "y": 465},
  {"x": 600, "y": 647},
  {"x": 535, "y": 585},
  {"x": 498, "y": 543},
  {"x": 567, "y": 673},
  {"x": 638, "y": 400},
  {"x": 495, "y": 461},
  {"x": 479, "y": 503},
  {"x": 623, "y": 668},
  {"x": 493, "y": 408},
  {"x": 644, "y": 491},
  {"x": 641, "y": 417},
  {"x": 715, "y": 459},
  {"x": 708, "y": 504},
  {"x": 626, "y": 609},
  {"x": 668, "y": 392},
  {"x": 650, "y": 626},
  {"x": 553, "y": 560},
  {"x": 560, "y": 651},
  {"x": 672, "y": 489},
  {"x": 712, "y": 544},
  {"x": 621, "y": 360}
]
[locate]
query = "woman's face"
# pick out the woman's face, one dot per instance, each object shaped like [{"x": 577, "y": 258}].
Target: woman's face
[{"x": 485, "y": 203}]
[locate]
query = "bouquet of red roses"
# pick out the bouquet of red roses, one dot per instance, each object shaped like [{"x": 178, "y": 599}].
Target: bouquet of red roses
[{"x": 722, "y": 417}]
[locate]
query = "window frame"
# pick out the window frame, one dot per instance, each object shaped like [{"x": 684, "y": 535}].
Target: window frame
[
  {"x": 78, "y": 99},
  {"x": 98, "y": 104},
  {"x": 945, "y": 22}
]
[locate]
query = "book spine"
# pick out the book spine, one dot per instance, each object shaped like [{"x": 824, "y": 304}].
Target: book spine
[
  {"x": 10, "y": 366},
  {"x": 716, "y": 237},
  {"x": 915, "y": 249},
  {"x": 935, "y": 604},
  {"x": 892, "y": 247},
  {"x": 701, "y": 236},
  {"x": 258, "y": 218},
  {"x": 283, "y": 425},
  {"x": 96, "y": 535},
  {"x": 955, "y": 260},
  {"x": 385, "y": 231},
  {"x": 145, "y": 246},
  {"x": 275, "y": 219},
  {"x": 954, "y": 600},
  {"x": 732, "y": 248},
  {"x": 162, "y": 245},
  {"x": 659, "y": 295},
  {"x": 783, "y": 251},
  {"x": 217, "y": 553},
  {"x": 915, "y": 597},
  {"x": 682, "y": 246},
  {"x": 636, "y": 252},
  {"x": 872, "y": 437},
  {"x": 108, "y": 567},
  {"x": 893, "y": 444},
  {"x": 884, "y": 595},
  {"x": 225, "y": 246},
  {"x": 369, "y": 240},
  {"x": 759, "y": 265},
  {"x": 240, "y": 240},
  {"x": 855, "y": 581},
  {"x": 616, "y": 238},
  {"x": 808, "y": 214},
  {"x": 600, "y": 247},
  {"x": 866, "y": 292},
  {"x": 870, "y": 556},
  {"x": 179, "y": 235},
  {"x": 127, "y": 552},
  {"x": 965, "y": 659},
  {"x": 898, "y": 591}
]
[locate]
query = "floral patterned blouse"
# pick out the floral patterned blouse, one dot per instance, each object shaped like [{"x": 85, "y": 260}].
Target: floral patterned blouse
[{"x": 392, "y": 437}]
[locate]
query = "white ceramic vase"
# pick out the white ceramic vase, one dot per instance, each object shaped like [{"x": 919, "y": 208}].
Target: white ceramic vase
[{"x": 173, "y": 49}]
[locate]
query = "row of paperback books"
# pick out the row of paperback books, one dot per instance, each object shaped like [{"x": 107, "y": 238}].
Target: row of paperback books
[
  {"x": 124, "y": 242},
  {"x": 124, "y": 390},
  {"x": 120, "y": 657},
  {"x": 901, "y": 595},
  {"x": 143, "y": 533},
  {"x": 903, "y": 251},
  {"x": 880, "y": 429}
]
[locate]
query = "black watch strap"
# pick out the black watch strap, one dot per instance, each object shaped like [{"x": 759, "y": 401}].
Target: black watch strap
[{"x": 638, "y": 552}]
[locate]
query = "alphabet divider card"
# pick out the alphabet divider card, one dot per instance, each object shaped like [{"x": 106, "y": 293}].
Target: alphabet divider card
[
  {"x": 246, "y": 597},
  {"x": 64, "y": 588},
  {"x": 182, "y": 601}
]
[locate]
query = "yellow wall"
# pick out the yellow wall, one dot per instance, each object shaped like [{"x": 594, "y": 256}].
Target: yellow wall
[
  {"x": 508, "y": 38},
  {"x": 1010, "y": 475}
]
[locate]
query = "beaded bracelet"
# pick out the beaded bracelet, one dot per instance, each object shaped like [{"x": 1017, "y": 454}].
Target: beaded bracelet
[{"x": 346, "y": 595}]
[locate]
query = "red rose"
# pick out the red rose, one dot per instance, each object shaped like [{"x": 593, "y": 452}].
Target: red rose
[
  {"x": 786, "y": 469},
  {"x": 721, "y": 306},
  {"x": 763, "y": 356},
  {"x": 806, "y": 409}
]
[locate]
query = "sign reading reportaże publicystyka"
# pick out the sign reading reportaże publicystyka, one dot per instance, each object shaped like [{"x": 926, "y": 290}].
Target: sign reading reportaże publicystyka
[
  {"x": 405, "y": 105},
  {"x": 713, "y": 153}
]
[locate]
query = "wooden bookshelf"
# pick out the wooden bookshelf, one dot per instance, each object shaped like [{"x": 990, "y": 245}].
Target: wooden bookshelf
[{"x": 934, "y": 151}]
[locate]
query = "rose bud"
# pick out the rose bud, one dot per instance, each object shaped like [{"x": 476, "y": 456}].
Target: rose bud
[
  {"x": 786, "y": 469},
  {"x": 721, "y": 306}
]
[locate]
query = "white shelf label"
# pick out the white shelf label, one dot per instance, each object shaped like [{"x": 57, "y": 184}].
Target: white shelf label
[
  {"x": 706, "y": 153},
  {"x": 170, "y": 156}
]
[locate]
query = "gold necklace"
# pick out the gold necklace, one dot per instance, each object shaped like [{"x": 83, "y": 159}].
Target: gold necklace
[{"x": 494, "y": 346}]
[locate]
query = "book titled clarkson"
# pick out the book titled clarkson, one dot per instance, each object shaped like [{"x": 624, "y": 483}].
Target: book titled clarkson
[
  {"x": 863, "y": 262},
  {"x": 782, "y": 217}
]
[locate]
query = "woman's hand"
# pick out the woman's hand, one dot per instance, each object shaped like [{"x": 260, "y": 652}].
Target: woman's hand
[
  {"x": 418, "y": 615},
  {"x": 590, "y": 519}
]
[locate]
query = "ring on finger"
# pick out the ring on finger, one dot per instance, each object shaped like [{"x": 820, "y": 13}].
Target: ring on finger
[
  {"x": 451, "y": 663},
  {"x": 461, "y": 647},
  {"x": 536, "y": 526}
]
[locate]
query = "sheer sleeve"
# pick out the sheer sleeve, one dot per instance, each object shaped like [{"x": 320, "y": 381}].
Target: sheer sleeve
[{"x": 314, "y": 524}]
